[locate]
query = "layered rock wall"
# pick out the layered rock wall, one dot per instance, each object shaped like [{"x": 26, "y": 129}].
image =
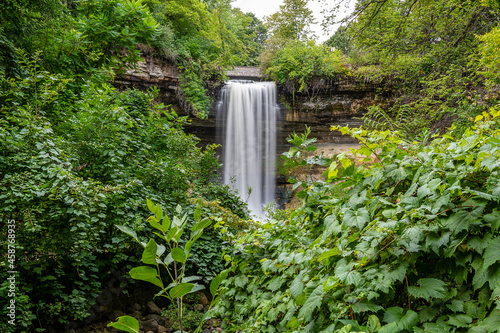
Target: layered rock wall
[{"x": 337, "y": 102}]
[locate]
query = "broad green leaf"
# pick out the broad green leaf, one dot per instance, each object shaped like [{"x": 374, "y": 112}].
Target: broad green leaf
[
  {"x": 329, "y": 329},
  {"x": 423, "y": 191},
  {"x": 153, "y": 222},
  {"x": 312, "y": 302},
  {"x": 345, "y": 329},
  {"x": 180, "y": 290},
  {"x": 155, "y": 209},
  {"x": 194, "y": 236},
  {"x": 495, "y": 296},
  {"x": 191, "y": 278},
  {"x": 427, "y": 314},
  {"x": 492, "y": 252},
  {"x": 293, "y": 323},
  {"x": 438, "y": 327},
  {"x": 297, "y": 286},
  {"x": 428, "y": 288},
  {"x": 151, "y": 206},
  {"x": 171, "y": 233},
  {"x": 346, "y": 274},
  {"x": 160, "y": 250},
  {"x": 330, "y": 283},
  {"x": 146, "y": 273},
  {"x": 365, "y": 306},
  {"x": 373, "y": 323},
  {"x": 275, "y": 283},
  {"x": 357, "y": 218},
  {"x": 389, "y": 213},
  {"x": 435, "y": 241},
  {"x": 168, "y": 259},
  {"x": 409, "y": 320},
  {"x": 216, "y": 281},
  {"x": 460, "y": 320},
  {"x": 128, "y": 231},
  {"x": 149, "y": 253},
  {"x": 490, "y": 324},
  {"x": 241, "y": 281},
  {"x": 458, "y": 221},
  {"x": 433, "y": 184},
  {"x": 493, "y": 219},
  {"x": 197, "y": 213},
  {"x": 484, "y": 274},
  {"x": 461, "y": 220},
  {"x": 328, "y": 254},
  {"x": 179, "y": 255},
  {"x": 178, "y": 235},
  {"x": 456, "y": 306},
  {"x": 393, "y": 314},
  {"x": 127, "y": 324},
  {"x": 166, "y": 223},
  {"x": 202, "y": 224},
  {"x": 309, "y": 328},
  {"x": 390, "y": 328},
  {"x": 197, "y": 287}
]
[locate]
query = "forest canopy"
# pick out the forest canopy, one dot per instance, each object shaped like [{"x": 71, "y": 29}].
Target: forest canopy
[{"x": 401, "y": 235}]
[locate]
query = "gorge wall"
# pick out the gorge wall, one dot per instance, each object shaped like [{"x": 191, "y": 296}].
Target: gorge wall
[{"x": 338, "y": 102}]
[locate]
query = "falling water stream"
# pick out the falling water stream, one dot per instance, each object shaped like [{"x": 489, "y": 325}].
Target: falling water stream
[{"x": 247, "y": 114}]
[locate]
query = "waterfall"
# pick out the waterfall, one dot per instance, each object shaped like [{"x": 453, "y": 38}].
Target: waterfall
[{"x": 247, "y": 114}]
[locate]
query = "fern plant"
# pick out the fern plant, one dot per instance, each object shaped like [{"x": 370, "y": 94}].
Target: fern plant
[{"x": 403, "y": 121}]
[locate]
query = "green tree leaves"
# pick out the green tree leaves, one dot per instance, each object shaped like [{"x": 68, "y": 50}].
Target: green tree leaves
[
  {"x": 356, "y": 218},
  {"x": 292, "y": 22},
  {"x": 127, "y": 324},
  {"x": 413, "y": 243},
  {"x": 313, "y": 302},
  {"x": 146, "y": 273},
  {"x": 491, "y": 254},
  {"x": 428, "y": 288}
]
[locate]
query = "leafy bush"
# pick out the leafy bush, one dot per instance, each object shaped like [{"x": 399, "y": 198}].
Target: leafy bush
[
  {"x": 70, "y": 175},
  {"x": 413, "y": 246}
]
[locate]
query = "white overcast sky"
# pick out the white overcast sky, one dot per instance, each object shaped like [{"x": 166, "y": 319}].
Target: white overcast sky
[{"x": 263, "y": 8}]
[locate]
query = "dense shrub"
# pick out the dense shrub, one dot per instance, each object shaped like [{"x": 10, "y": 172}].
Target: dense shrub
[
  {"x": 413, "y": 246},
  {"x": 71, "y": 170},
  {"x": 298, "y": 64}
]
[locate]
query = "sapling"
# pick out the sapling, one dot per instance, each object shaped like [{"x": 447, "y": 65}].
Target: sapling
[{"x": 172, "y": 257}]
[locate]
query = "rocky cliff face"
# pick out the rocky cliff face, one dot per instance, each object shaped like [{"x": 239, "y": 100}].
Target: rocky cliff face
[
  {"x": 341, "y": 102},
  {"x": 153, "y": 73}
]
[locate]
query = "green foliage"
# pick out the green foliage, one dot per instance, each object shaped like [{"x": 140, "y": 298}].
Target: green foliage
[
  {"x": 413, "y": 246},
  {"x": 299, "y": 63},
  {"x": 194, "y": 91},
  {"x": 489, "y": 55},
  {"x": 429, "y": 57},
  {"x": 292, "y": 22},
  {"x": 83, "y": 37},
  {"x": 72, "y": 168},
  {"x": 171, "y": 258},
  {"x": 340, "y": 40}
]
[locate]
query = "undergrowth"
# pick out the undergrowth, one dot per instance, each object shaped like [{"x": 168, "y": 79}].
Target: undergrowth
[{"x": 413, "y": 246}]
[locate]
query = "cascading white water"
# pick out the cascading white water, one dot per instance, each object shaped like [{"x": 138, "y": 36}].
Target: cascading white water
[{"x": 247, "y": 114}]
